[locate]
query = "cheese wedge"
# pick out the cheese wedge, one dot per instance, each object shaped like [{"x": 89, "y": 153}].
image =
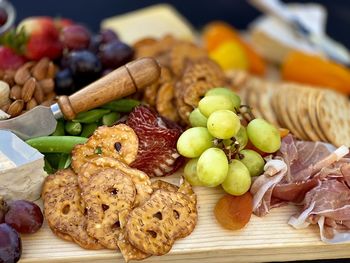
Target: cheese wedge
[
  {"x": 21, "y": 169},
  {"x": 154, "y": 21}
]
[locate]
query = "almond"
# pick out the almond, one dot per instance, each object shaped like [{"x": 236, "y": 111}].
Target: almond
[
  {"x": 38, "y": 94},
  {"x": 22, "y": 75},
  {"x": 15, "y": 108},
  {"x": 16, "y": 92},
  {"x": 51, "y": 71},
  {"x": 28, "y": 89},
  {"x": 31, "y": 104},
  {"x": 28, "y": 65},
  {"x": 9, "y": 77},
  {"x": 6, "y": 106},
  {"x": 40, "y": 70},
  {"x": 47, "y": 85}
]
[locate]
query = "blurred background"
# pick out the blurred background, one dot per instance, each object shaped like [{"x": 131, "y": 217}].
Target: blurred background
[{"x": 237, "y": 12}]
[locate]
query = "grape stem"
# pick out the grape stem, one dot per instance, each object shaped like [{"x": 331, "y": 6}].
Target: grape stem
[
  {"x": 246, "y": 112},
  {"x": 230, "y": 150}
]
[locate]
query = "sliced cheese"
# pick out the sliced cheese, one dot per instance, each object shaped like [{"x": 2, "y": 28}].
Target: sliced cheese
[{"x": 154, "y": 21}]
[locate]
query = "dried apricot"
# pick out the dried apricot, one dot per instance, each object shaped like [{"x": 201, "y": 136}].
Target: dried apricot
[
  {"x": 283, "y": 132},
  {"x": 234, "y": 212},
  {"x": 314, "y": 70}
]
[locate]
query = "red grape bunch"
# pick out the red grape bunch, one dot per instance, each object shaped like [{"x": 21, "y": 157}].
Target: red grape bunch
[
  {"x": 18, "y": 217},
  {"x": 88, "y": 56}
]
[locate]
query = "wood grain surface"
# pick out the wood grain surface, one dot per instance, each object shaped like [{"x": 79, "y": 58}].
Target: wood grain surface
[{"x": 263, "y": 239}]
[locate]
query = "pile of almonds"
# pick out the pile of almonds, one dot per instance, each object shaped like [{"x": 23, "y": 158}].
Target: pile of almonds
[{"x": 30, "y": 85}]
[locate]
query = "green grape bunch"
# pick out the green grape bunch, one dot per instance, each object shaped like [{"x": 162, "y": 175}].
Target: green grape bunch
[{"x": 217, "y": 142}]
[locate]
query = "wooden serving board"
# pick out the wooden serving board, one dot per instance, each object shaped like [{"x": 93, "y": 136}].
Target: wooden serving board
[{"x": 263, "y": 239}]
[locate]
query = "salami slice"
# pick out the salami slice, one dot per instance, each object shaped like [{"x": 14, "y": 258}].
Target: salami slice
[{"x": 157, "y": 154}]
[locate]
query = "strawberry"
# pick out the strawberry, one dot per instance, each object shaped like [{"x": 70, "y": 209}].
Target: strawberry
[
  {"x": 42, "y": 38},
  {"x": 9, "y": 59}
]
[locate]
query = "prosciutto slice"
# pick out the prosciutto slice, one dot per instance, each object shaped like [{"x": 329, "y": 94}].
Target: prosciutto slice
[
  {"x": 306, "y": 164},
  {"x": 315, "y": 176},
  {"x": 327, "y": 205}
]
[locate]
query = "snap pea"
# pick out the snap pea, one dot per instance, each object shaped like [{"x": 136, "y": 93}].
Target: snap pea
[
  {"x": 47, "y": 167},
  {"x": 53, "y": 159},
  {"x": 55, "y": 144},
  {"x": 122, "y": 105},
  {"x": 88, "y": 129},
  {"x": 59, "y": 129},
  {"x": 73, "y": 128},
  {"x": 91, "y": 115},
  {"x": 110, "y": 118},
  {"x": 64, "y": 161}
]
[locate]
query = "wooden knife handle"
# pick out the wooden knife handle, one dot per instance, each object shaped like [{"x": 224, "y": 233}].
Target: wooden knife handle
[{"x": 119, "y": 83}]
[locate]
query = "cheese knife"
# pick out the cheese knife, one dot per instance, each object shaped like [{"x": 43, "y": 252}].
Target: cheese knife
[{"x": 126, "y": 80}]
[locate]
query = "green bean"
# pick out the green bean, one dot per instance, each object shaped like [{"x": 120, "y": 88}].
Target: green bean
[
  {"x": 65, "y": 161},
  {"x": 73, "y": 128},
  {"x": 110, "y": 118},
  {"x": 88, "y": 129},
  {"x": 91, "y": 115},
  {"x": 59, "y": 129},
  {"x": 122, "y": 105},
  {"x": 55, "y": 144}
]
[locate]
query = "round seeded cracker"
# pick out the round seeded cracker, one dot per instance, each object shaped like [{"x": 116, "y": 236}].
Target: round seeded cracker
[
  {"x": 265, "y": 92},
  {"x": 314, "y": 95},
  {"x": 119, "y": 142},
  {"x": 333, "y": 117},
  {"x": 140, "y": 179},
  {"x": 276, "y": 107},
  {"x": 110, "y": 197},
  {"x": 291, "y": 109},
  {"x": 302, "y": 115}
]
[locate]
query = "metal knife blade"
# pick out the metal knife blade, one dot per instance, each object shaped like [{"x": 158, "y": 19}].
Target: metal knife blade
[{"x": 39, "y": 121}]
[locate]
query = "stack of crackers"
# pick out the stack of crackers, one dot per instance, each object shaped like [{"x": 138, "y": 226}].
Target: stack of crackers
[
  {"x": 187, "y": 73},
  {"x": 310, "y": 113},
  {"x": 103, "y": 203}
]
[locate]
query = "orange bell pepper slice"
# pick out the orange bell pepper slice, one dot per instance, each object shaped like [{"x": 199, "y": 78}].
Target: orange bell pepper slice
[{"x": 218, "y": 32}]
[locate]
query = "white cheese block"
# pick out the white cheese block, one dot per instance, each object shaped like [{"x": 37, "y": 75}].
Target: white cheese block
[
  {"x": 154, "y": 21},
  {"x": 5, "y": 162},
  {"x": 274, "y": 39},
  {"x": 21, "y": 169}
]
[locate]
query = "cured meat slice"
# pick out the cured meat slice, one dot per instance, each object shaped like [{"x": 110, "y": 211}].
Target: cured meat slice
[
  {"x": 315, "y": 175},
  {"x": 327, "y": 205},
  {"x": 157, "y": 154},
  {"x": 275, "y": 171},
  {"x": 307, "y": 163}
]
